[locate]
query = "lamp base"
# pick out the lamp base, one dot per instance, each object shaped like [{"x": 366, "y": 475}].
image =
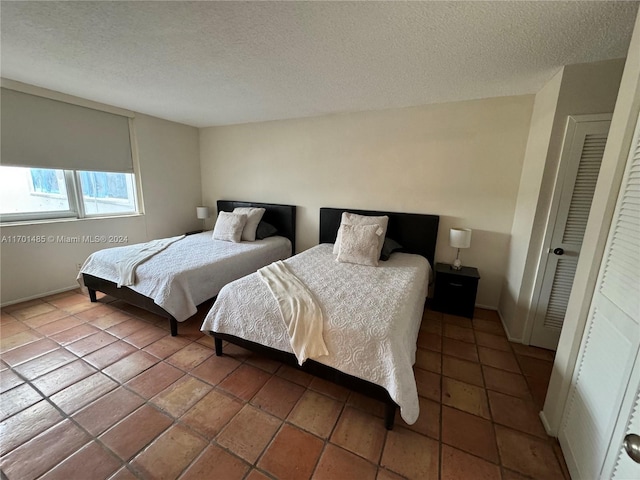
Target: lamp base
[{"x": 457, "y": 265}]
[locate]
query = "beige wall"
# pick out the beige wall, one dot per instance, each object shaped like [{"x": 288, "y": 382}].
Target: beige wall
[
  {"x": 544, "y": 111},
  {"x": 170, "y": 172},
  {"x": 583, "y": 89},
  {"x": 170, "y": 175},
  {"x": 459, "y": 160}
]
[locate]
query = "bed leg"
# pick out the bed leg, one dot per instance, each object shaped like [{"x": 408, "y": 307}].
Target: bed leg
[
  {"x": 174, "y": 326},
  {"x": 92, "y": 295},
  {"x": 218, "y": 344},
  {"x": 390, "y": 415}
]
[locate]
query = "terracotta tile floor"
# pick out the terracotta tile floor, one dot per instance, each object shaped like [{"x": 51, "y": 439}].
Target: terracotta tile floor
[{"x": 97, "y": 391}]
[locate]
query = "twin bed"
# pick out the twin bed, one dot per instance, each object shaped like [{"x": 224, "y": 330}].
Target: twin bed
[
  {"x": 371, "y": 315},
  {"x": 192, "y": 270}
]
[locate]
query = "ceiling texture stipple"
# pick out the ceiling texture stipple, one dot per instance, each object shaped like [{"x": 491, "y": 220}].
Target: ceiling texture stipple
[{"x": 222, "y": 63}]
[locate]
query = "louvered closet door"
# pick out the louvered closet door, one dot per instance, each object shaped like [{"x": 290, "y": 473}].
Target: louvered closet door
[
  {"x": 603, "y": 394},
  {"x": 624, "y": 467},
  {"x": 581, "y": 157}
]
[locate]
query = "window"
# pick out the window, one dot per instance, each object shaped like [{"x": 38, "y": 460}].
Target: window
[
  {"x": 107, "y": 192},
  {"x": 28, "y": 190},
  {"x": 41, "y": 193},
  {"x": 63, "y": 160}
]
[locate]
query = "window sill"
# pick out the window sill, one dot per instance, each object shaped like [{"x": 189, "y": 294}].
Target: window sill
[{"x": 46, "y": 221}]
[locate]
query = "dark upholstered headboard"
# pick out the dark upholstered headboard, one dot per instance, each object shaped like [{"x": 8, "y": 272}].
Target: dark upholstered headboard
[
  {"x": 283, "y": 217},
  {"x": 417, "y": 233}
]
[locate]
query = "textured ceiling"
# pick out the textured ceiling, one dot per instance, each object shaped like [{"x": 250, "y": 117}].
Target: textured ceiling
[{"x": 219, "y": 63}]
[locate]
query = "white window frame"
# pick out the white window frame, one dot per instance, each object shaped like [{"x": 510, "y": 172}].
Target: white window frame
[
  {"x": 75, "y": 200},
  {"x": 79, "y": 198},
  {"x": 72, "y": 177}
]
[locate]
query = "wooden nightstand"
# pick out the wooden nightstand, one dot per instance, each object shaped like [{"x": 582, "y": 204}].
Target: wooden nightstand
[{"x": 455, "y": 290}]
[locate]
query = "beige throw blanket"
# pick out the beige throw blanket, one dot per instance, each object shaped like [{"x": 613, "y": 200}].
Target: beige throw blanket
[
  {"x": 133, "y": 257},
  {"x": 300, "y": 312}
]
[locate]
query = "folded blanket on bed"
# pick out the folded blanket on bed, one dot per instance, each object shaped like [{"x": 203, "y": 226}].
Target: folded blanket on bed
[
  {"x": 299, "y": 310},
  {"x": 134, "y": 256}
]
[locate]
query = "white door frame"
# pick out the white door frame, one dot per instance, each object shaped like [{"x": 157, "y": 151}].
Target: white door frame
[
  {"x": 625, "y": 116},
  {"x": 569, "y": 134}
]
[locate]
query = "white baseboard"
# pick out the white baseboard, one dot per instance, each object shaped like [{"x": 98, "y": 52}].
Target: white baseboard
[
  {"x": 510, "y": 337},
  {"x": 546, "y": 425},
  {"x": 504, "y": 326},
  {"x": 39, "y": 295},
  {"x": 486, "y": 307}
]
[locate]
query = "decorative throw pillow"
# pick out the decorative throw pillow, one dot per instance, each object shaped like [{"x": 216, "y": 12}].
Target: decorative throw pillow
[
  {"x": 229, "y": 227},
  {"x": 359, "y": 244},
  {"x": 388, "y": 247},
  {"x": 254, "y": 215},
  {"x": 355, "y": 219},
  {"x": 265, "y": 230}
]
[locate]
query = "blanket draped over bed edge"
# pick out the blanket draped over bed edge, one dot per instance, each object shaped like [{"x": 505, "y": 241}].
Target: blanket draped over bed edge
[
  {"x": 126, "y": 265},
  {"x": 300, "y": 311}
]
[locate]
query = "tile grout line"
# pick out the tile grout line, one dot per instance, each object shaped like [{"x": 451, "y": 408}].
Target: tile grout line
[
  {"x": 485, "y": 390},
  {"x": 65, "y": 416},
  {"x": 493, "y": 423},
  {"x": 183, "y": 370}
]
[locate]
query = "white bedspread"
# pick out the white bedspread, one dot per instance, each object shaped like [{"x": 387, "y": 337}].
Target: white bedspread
[
  {"x": 190, "y": 271},
  {"x": 372, "y": 316}
]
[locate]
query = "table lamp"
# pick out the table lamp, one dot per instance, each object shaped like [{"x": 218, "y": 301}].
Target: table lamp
[
  {"x": 203, "y": 213},
  {"x": 459, "y": 238}
]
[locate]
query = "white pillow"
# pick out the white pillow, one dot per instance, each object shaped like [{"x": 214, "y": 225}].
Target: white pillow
[
  {"x": 355, "y": 219},
  {"x": 359, "y": 244},
  {"x": 254, "y": 215},
  {"x": 229, "y": 227}
]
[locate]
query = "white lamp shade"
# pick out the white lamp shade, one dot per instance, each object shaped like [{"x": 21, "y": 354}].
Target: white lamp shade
[
  {"x": 202, "y": 212},
  {"x": 460, "y": 237}
]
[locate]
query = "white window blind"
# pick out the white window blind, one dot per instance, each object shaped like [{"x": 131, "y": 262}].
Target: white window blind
[{"x": 45, "y": 133}]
